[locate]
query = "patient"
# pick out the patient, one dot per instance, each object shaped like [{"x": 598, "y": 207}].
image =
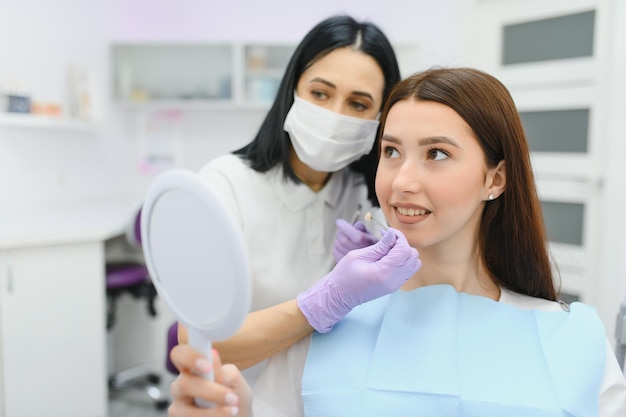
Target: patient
[{"x": 477, "y": 330}]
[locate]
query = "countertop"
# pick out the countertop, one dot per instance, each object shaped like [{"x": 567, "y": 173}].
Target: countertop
[{"x": 75, "y": 223}]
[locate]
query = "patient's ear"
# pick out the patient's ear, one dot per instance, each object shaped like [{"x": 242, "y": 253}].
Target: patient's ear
[{"x": 496, "y": 180}]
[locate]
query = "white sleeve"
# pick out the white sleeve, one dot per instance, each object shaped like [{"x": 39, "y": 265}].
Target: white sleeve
[
  {"x": 613, "y": 389},
  {"x": 278, "y": 391}
]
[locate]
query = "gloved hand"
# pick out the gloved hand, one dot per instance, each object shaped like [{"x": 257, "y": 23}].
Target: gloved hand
[
  {"x": 362, "y": 275},
  {"x": 351, "y": 237}
]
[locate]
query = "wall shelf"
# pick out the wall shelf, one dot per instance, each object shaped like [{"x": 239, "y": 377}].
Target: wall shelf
[
  {"x": 190, "y": 105},
  {"x": 24, "y": 120}
]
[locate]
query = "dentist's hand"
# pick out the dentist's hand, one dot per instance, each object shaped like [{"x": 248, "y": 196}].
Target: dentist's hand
[
  {"x": 362, "y": 275},
  {"x": 350, "y": 237},
  {"x": 230, "y": 393}
]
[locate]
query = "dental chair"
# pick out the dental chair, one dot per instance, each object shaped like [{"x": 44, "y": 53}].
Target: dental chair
[{"x": 131, "y": 278}]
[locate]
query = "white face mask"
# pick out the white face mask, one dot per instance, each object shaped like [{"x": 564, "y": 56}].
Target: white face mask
[{"x": 328, "y": 141}]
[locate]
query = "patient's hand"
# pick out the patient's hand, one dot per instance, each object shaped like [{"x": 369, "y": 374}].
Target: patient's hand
[{"x": 230, "y": 393}]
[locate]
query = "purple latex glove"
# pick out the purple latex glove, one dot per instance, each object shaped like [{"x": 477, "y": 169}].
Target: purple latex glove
[
  {"x": 362, "y": 275},
  {"x": 351, "y": 237}
]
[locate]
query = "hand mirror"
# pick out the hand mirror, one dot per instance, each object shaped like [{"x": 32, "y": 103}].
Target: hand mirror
[{"x": 196, "y": 257}]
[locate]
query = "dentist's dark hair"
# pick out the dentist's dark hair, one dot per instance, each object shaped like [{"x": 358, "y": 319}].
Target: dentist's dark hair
[
  {"x": 511, "y": 237},
  {"x": 271, "y": 145}
]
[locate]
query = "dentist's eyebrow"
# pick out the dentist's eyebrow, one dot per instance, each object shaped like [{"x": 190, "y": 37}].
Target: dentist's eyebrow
[
  {"x": 323, "y": 81},
  {"x": 333, "y": 86}
]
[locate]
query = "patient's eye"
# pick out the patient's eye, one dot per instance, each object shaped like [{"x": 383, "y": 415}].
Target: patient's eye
[
  {"x": 390, "y": 152},
  {"x": 437, "y": 154}
]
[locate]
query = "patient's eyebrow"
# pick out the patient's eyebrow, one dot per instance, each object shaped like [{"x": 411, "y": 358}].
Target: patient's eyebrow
[
  {"x": 433, "y": 140},
  {"x": 390, "y": 138}
]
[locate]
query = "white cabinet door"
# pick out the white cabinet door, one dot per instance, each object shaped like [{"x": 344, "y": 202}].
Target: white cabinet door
[{"x": 52, "y": 331}]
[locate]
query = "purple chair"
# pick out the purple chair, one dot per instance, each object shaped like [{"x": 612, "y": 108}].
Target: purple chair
[{"x": 132, "y": 279}]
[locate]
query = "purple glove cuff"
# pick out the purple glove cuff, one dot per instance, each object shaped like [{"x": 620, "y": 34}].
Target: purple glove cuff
[{"x": 321, "y": 306}]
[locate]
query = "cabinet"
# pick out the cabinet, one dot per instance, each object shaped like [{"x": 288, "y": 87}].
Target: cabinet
[
  {"x": 52, "y": 356},
  {"x": 196, "y": 74}
]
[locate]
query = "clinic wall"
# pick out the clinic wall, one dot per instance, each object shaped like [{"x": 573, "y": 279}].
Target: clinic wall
[
  {"x": 612, "y": 259},
  {"x": 40, "y": 41},
  {"x": 436, "y": 25}
]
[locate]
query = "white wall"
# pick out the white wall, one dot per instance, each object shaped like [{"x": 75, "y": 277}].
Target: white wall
[
  {"x": 611, "y": 271},
  {"x": 40, "y": 40}
]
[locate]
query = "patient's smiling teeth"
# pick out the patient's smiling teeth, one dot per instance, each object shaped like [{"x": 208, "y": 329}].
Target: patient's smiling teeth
[{"x": 411, "y": 211}]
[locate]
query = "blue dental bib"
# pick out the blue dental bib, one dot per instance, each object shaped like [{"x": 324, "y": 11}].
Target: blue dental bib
[{"x": 435, "y": 352}]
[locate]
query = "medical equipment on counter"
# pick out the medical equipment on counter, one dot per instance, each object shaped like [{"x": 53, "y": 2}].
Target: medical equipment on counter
[{"x": 195, "y": 253}]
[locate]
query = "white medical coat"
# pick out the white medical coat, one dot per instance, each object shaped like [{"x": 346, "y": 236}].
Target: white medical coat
[{"x": 289, "y": 230}]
